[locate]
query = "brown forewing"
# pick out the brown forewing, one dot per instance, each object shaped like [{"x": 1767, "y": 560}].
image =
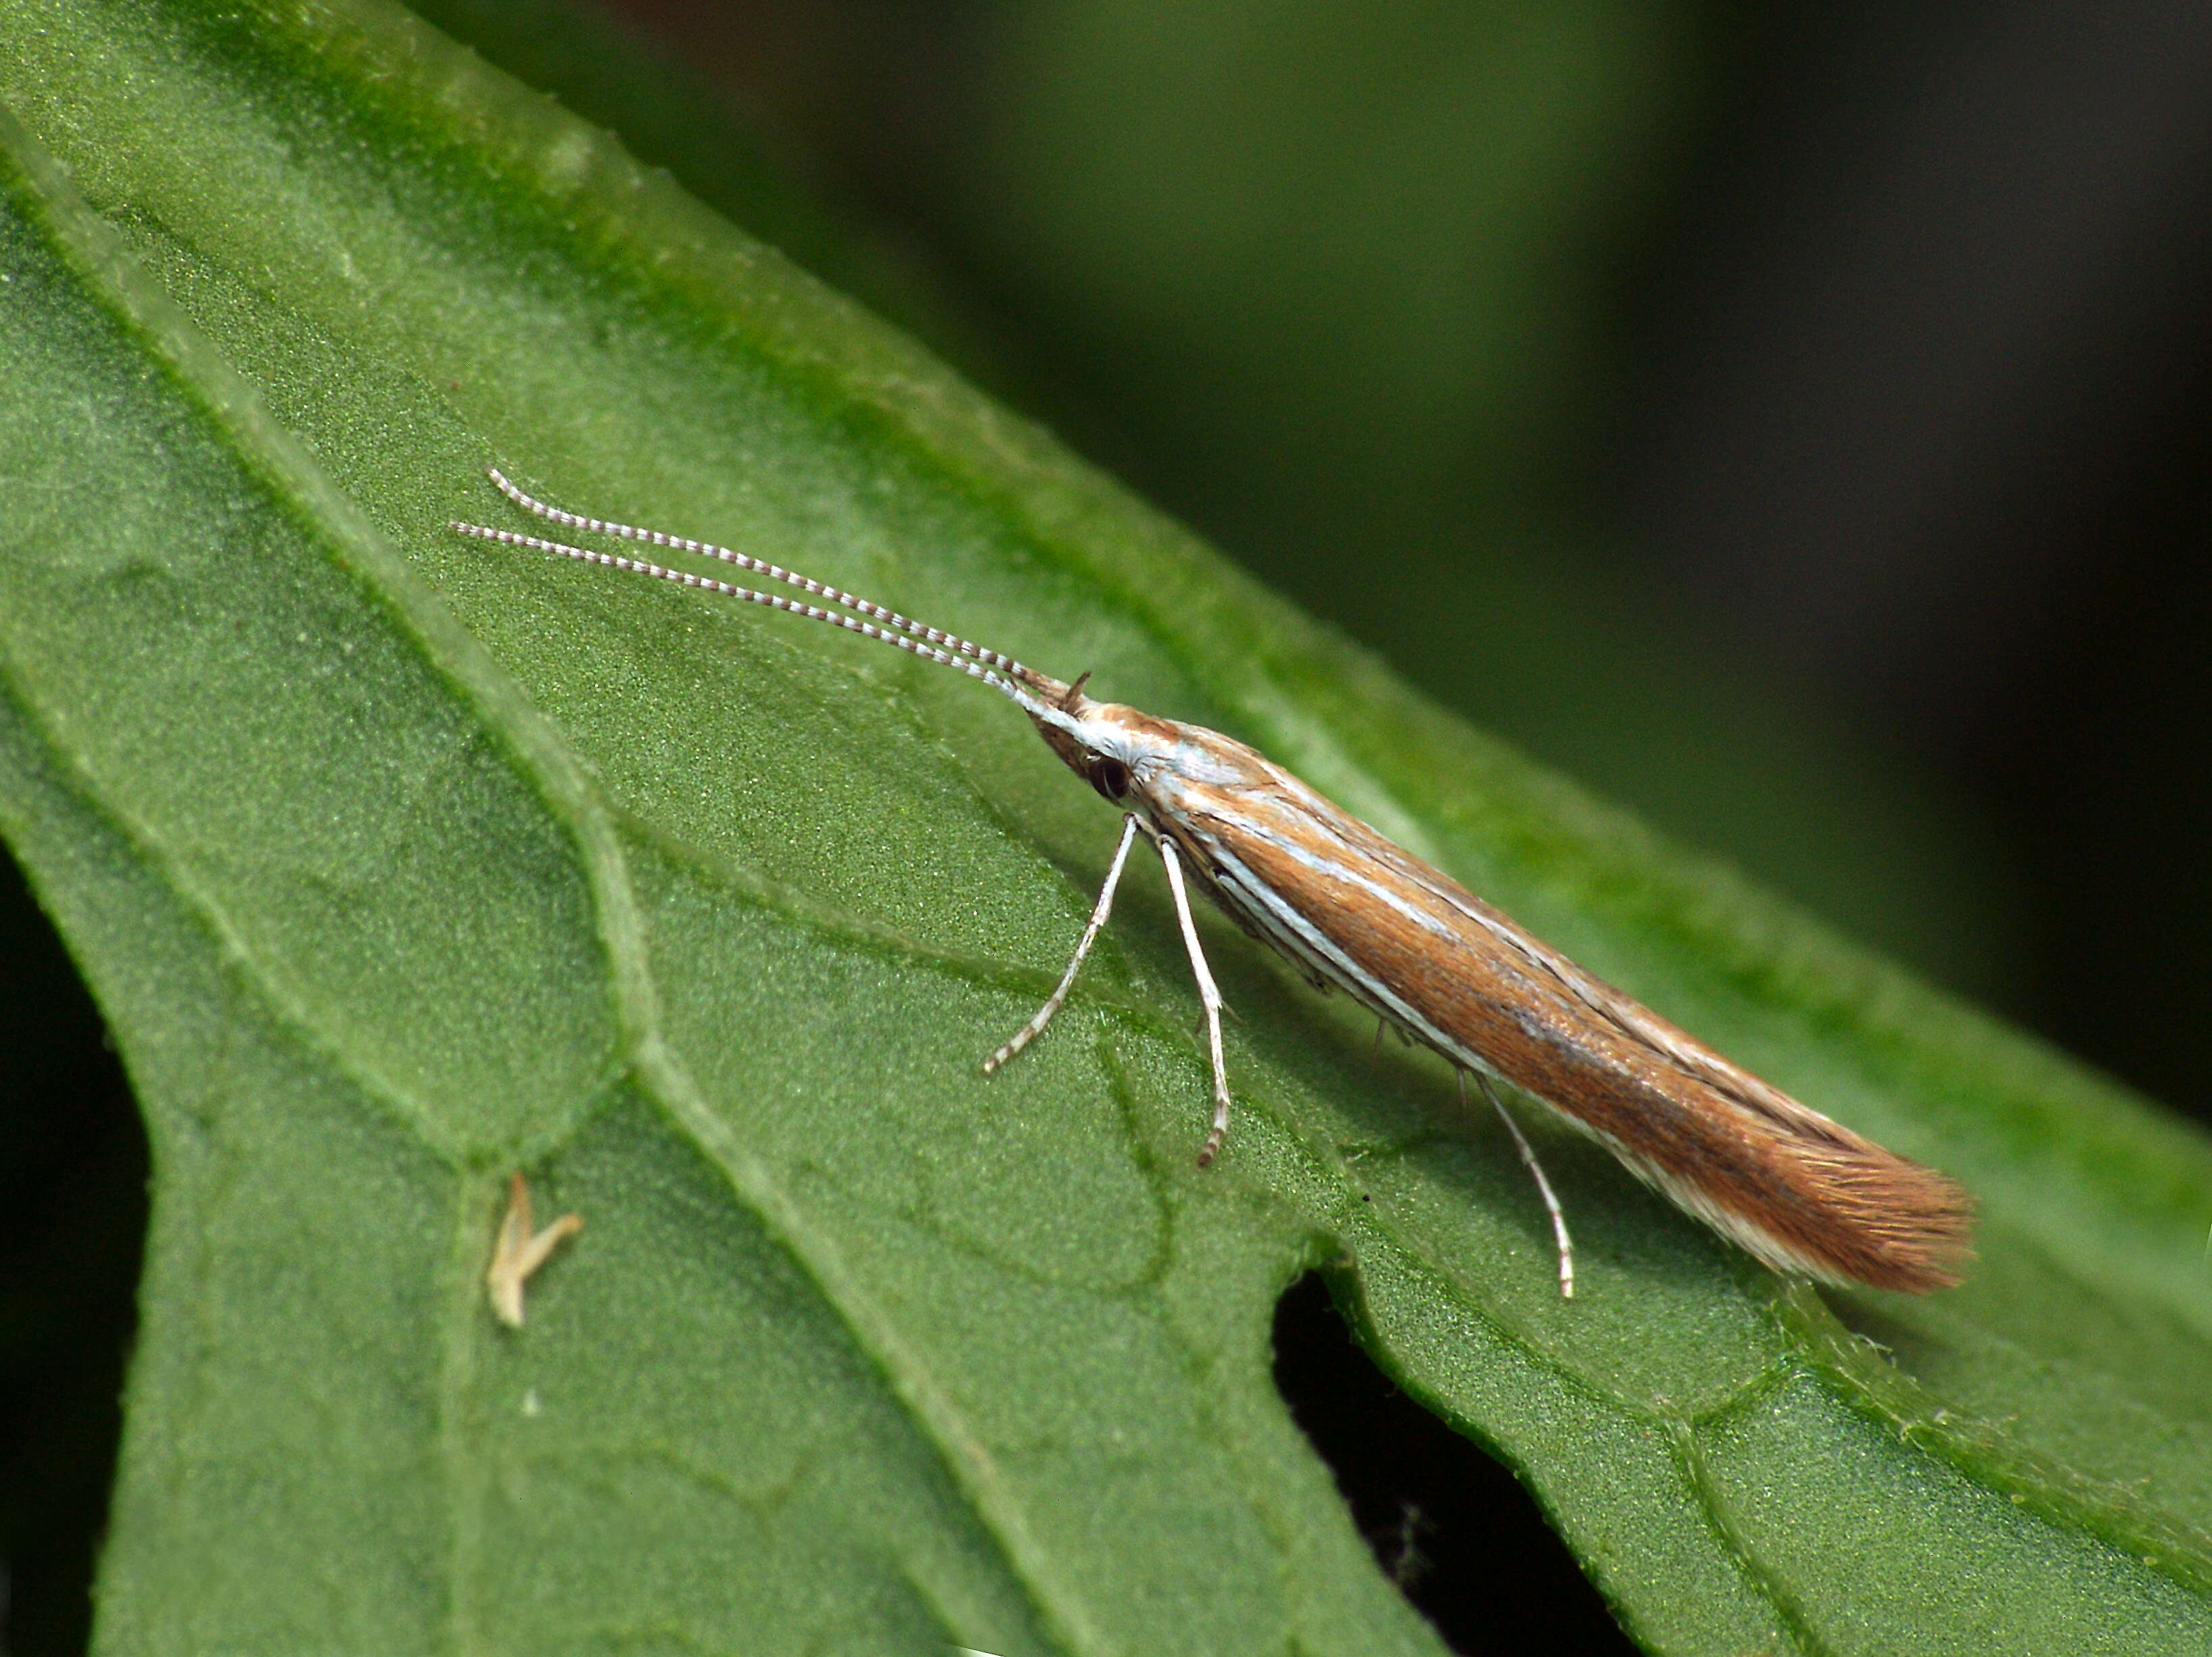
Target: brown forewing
[{"x": 1742, "y": 1153}]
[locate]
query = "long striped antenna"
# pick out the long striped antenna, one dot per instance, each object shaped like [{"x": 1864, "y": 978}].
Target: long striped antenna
[{"x": 1002, "y": 672}]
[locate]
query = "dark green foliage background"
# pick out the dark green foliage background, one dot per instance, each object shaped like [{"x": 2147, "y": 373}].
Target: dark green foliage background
[{"x": 396, "y": 862}]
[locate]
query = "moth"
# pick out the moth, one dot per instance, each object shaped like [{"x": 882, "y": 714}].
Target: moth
[{"x": 1352, "y": 911}]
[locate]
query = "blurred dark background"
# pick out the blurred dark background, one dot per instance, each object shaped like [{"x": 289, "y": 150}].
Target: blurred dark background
[{"x": 1795, "y": 421}]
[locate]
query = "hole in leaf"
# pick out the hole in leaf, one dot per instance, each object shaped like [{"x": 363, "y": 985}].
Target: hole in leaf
[
  {"x": 72, "y": 1232},
  {"x": 1449, "y": 1525}
]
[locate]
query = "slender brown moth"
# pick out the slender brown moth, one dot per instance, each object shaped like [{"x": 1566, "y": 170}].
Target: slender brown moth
[{"x": 1352, "y": 911}]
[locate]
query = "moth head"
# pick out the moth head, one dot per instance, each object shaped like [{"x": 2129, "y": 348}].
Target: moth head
[{"x": 1104, "y": 743}]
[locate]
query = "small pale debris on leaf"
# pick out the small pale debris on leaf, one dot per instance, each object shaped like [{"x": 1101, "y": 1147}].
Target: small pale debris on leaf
[{"x": 519, "y": 1252}]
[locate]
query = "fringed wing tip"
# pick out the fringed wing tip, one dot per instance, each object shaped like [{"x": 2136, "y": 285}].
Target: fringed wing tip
[
  {"x": 1854, "y": 1216},
  {"x": 1928, "y": 1244},
  {"x": 1898, "y": 1225}
]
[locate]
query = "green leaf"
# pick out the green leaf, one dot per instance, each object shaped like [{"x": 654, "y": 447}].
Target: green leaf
[{"x": 398, "y": 862}]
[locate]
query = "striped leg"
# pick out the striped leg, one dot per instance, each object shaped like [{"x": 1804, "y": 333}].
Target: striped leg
[
  {"x": 1207, "y": 994},
  {"x": 1030, "y": 1032},
  {"x": 1566, "y": 1244}
]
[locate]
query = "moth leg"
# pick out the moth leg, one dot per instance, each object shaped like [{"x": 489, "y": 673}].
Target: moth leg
[
  {"x": 1030, "y": 1032},
  {"x": 1566, "y": 1244},
  {"x": 1208, "y": 994}
]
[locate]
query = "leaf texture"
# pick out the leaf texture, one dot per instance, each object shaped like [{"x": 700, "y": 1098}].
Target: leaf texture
[{"x": 399, "y": 862}]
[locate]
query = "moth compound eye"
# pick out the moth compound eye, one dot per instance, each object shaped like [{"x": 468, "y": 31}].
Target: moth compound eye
[{"x": 1108, "y": 775}]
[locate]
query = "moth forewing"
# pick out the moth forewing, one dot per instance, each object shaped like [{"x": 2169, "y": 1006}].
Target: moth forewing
[{"x": 1801, "y": 1192}]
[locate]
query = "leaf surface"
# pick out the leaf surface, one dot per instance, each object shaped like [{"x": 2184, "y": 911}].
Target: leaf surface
[{"x": 398, "y": 862}]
